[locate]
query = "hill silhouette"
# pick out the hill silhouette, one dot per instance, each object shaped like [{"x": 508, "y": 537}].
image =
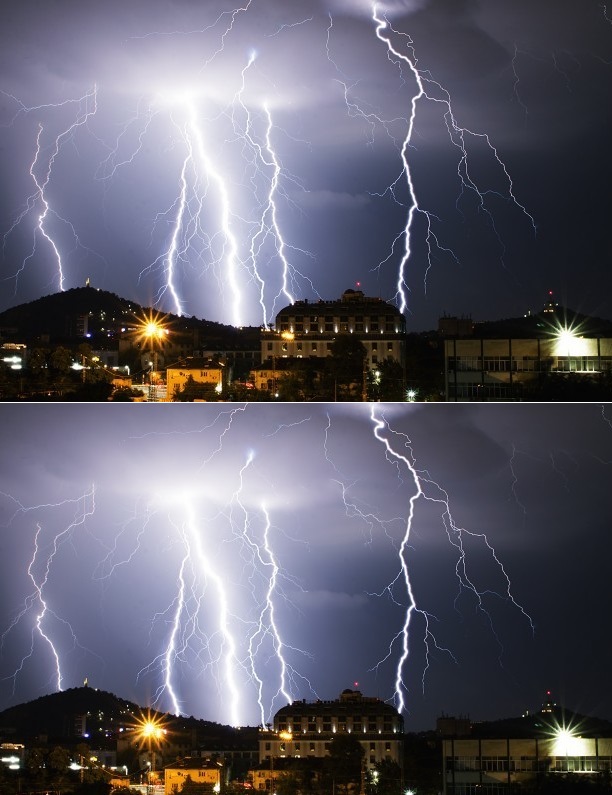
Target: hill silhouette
[
  {"x": 56, "y": 317},
  {"x": 57, "y": 717}
]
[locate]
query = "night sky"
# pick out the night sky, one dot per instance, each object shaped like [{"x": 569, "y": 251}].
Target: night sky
[
  {"x": 174, "y": 557},
  {"x": 176, "y": 152}
]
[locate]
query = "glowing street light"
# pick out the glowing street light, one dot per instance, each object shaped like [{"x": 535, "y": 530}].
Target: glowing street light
[
  {"x": 153, "y": 330},
  {"x": 150, "y": 730}
]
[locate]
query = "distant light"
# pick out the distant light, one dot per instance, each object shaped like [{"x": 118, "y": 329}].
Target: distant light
[
  {"x": 569, "y": 342},
  {"x": 567, "y": 742}
]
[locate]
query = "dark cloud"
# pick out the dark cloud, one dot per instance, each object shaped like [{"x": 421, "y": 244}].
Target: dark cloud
[
  {"x": 535, "y": 78},
  {"x": 114, "y": 500}
]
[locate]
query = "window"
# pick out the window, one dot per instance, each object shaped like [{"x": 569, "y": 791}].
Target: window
[
  {"x": 497, "y": 364},
  {"x": 494, "y": 763}
]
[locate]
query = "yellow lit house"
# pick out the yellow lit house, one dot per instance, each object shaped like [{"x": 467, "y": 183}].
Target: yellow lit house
[{"x": 200, "y": 771}]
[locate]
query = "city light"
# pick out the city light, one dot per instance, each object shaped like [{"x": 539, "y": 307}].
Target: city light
[
  {"x": 152, "y": 327},
  {"x": 568, "y": 341},
  {"x": 567, "y": 742}
]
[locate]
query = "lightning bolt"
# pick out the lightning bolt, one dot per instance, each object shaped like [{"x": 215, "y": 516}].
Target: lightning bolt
[
  {"x": 458, "y": 135},
  {"x": 44, "y": 619},
  {"x": 231, "y": 576},
  {"x": 38, "y": 202},
  {"x": 426, "y": 489},
  {"x": 209, "y": 625}
]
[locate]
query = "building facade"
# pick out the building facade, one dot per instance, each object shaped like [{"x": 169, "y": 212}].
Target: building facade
[
  {"x": 200, "y": 771},
  {"x": 306, "y": 729},
  {"x": 509, "y": 369},
  {"x": 202, "y": 371},
  {"x": 490, "y": 766},
  {"x": 305, "y": 328}
]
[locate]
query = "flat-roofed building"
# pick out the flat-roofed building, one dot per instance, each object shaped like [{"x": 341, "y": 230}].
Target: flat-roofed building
[
  {"x": 306, "y": 328},
  {"x": 306, "y": 728}
]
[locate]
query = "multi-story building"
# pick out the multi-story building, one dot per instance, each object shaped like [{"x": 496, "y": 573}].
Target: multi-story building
[
  {"x": 515, "y": 359},
  {"x": 512, "y": 368},
  {"x": 507, "y": 764},
  {"x": 305, "y": 328},
  {"x": 306, "y": 728},
  {"x": 200, "y": 771},
  {"x": 524, "y": 754}
]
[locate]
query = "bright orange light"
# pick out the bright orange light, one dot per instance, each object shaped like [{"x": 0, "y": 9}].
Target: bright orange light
[
  {"x": 150, "y": 729},
  {"x": 152, "y": 328}
]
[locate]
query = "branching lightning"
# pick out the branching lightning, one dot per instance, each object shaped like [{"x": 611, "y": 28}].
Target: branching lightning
[
  {"x": 431, "y": 90},
  {"x": 46, "y": 622},
  {"x": 426, "y": 489},
  {"x": 215, "y": 563},
  {"x": 40, "y": 170},
  {"x": 225, "y": 219}
]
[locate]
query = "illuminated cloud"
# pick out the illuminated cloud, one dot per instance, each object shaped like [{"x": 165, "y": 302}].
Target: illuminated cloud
[
  {"x": 220, "y": 562},
  {"x": 305, "y": 96}
]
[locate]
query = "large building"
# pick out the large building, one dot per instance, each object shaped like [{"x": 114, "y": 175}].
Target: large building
[
  {"x": 518, "y": 359},
  {"x": 305, "y": 328},
  {"x": 549, "y": 750},
  {"x": 306, "y": 728},
  {"x": 489, "y": 766},
  {"x": 513, "y": 368}
]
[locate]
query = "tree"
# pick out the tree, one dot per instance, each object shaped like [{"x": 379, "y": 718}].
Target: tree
[
  {"x": 125, "y": 394},
  {"x": 386, "y": 778},
  {"x": 192, "y": 788},
  {"x": 344, "y": 763},
  {"x": 58, "y": 761},
  {"x": 35, "y": 764},
  {"x": 387, "y": 381},
  {"x": 60, "y": 362},
  {"x": 345, "y": 369},
  {"x": 194, "y": 390}
]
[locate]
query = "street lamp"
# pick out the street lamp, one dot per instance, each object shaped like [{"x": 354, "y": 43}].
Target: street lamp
[
  {"x": 150, "y": 730},
  {"x": 153, "y": 330}
]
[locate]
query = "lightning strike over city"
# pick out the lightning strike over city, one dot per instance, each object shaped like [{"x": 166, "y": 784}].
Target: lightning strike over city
[
  {"x": 222, "y": 161},
  {"x": 227, "y": 561}
]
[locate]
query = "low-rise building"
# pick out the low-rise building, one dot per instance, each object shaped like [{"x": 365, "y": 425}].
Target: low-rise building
[
  {"x": 200, "y": 771},
  {"x": 201, "y": 370}
]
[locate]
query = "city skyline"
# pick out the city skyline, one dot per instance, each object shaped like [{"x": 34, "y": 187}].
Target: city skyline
[
  {"x": 221, "y": 560},
  {"x": 222, "y": 161}
]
